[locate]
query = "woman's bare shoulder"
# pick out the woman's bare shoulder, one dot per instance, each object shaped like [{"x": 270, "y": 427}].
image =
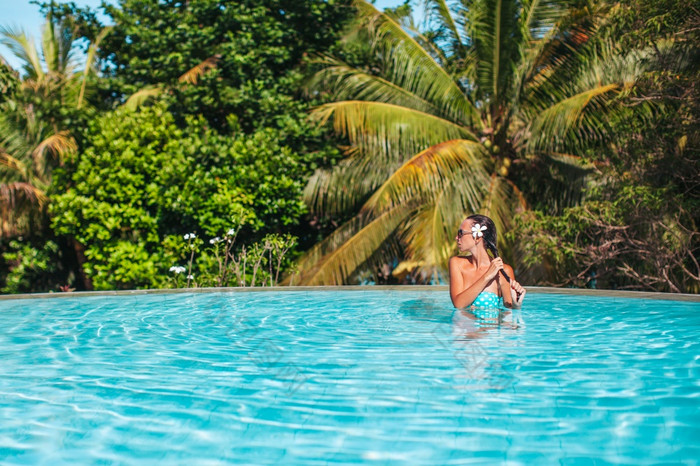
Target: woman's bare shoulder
[
  {"x": 509, "y": 270},
  {"x": 460, "y": 261}
]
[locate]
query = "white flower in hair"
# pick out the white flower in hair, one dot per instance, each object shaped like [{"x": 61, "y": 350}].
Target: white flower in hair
[{"x": 478, "y": 230}]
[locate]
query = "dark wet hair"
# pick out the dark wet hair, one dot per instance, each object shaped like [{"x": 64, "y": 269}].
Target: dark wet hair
[{"x": 490, "y": 236}]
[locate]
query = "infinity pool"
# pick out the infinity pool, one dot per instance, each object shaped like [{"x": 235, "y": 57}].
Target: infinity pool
[{"x": 333, "y": 377}]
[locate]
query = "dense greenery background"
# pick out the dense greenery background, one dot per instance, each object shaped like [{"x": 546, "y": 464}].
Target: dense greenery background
[{"x": 193, "y": 118}]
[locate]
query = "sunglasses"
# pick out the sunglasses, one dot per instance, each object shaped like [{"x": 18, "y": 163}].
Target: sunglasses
[{"x": 461, "y": 233}]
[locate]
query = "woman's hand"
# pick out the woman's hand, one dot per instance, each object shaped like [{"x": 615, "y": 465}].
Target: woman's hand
[
  {"x": 518, "y": 293},
  {"x": 495, "y": 266}
]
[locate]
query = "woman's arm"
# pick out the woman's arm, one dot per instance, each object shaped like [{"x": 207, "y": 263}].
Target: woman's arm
[
  {"x": 513, "y": 293},
  {"x": 463, "y": 294},
  {"x": 504, "y": 285}
]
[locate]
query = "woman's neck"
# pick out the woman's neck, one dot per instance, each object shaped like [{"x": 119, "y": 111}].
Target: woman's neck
[{"x": 480, "y": 257}]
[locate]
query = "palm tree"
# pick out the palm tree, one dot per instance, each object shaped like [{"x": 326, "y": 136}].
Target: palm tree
[
  {"x": 440, "y": 120},
  {"x": 32, "y": 139}
]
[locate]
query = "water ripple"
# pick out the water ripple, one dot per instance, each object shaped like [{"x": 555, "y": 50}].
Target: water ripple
[{"x": 347, "y": 377}]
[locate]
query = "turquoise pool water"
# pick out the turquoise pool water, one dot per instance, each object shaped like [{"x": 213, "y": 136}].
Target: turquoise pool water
[{"x": 329, "y": 377}]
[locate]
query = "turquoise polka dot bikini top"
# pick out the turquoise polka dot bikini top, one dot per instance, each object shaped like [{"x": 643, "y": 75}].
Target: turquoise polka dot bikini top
[
  {"x": 487, "y": 308},
  {"x": 487, "y": 299}
]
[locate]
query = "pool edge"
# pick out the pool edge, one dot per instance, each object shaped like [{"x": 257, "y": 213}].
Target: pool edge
[{"x": 444, "y": 288}]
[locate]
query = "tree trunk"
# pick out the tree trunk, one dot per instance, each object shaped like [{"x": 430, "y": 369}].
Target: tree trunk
[{"x": 86, "y": 283}]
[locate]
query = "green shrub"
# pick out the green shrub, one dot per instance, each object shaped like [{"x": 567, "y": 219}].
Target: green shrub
[{"x": 143, "y": 179}]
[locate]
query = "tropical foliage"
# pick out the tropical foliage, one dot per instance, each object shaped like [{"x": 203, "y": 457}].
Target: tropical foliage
[
  {"x": 174, "y": 148},
  {"x": 42, "y": 115},
  {"x": 244, "y": 57},
  {"x": 638, "y": 229},
  {"x": 489, "y": 110},
  {"x": 226, "y": 79},
  {"x": 143, "y": 181},
  {"x": 33, "y": 135}
]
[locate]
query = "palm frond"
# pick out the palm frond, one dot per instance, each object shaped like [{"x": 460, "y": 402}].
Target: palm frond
[
  {"x": 54, "y": 147},
  {"x": 539, "y": 17},
  {"x": 554, "y": 32},
  {"x": 533, "y": 69},
  {"x": 192, "y": 75},
  {"x": 579, "y": 100},
  {"x": 56, "y": 47},
  {"x": 347, "y": 185},
  {"x": 329, "y": 244},
  {"x": 496, "y": 54},
  {"x": 613, "y": 66},
  {"x": 92, "y": 53},
  {"x": 23, "y": 48},
  {"x": 410, "y": 66},
  {"x": 20, "y": 207},
  {"x": 337, "y": 265},
  {"x": 551, "y": 126},
  {"x": 439, "y": 11},
  {"x": 502, "y": 200},
  {"x": 384, "y": 134},
  {"x": 142, "y": 96},
  {"x": 12, "y": 143},
  {"x": 388, "y": 130},
  {"x": 428, "y": 232},
  {"x": 574, "y": 161},
  {"x": 16, "y": 192},
  {"x": 49, "y": 46},
  {"x": 21, "y": 129},
  {"x": 15, "y": 165},
  {"x": 349, "y": 83},
  {"x": 494, "y": 28},
  {"x": 428, "y": 172},
  {"x": 430, "y": 47},
  {"x": 65, "y": 39}
]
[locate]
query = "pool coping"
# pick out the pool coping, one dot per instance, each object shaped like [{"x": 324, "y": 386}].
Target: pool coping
[{"x": 443, "y": 288}]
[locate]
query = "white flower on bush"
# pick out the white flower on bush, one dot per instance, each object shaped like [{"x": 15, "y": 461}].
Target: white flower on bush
[
  {"x": 230, "y": 232},
  {"x": 177, "y": 269},
  {"x": 190, "y": 277},
  {"x": 214, "y": 240},
  {"x": 189, "y": 236}
]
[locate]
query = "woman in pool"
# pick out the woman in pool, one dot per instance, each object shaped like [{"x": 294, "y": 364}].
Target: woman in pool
[{"x": 478, "y": 280}]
